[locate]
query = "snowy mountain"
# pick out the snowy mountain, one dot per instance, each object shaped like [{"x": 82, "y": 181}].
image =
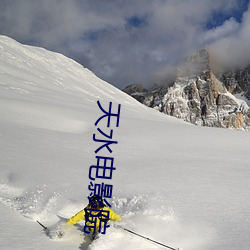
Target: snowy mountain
[
  {"x": 201, "y": 96},
  {"x": 182, "y": 185},
  {"x": 237, "y": 81}
]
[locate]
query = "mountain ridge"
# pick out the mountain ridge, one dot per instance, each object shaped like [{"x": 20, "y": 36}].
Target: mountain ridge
[{"x": 200, "y": 95}]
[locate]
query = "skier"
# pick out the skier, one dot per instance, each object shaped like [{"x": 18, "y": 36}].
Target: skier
[{"x": 96, "y": 216}]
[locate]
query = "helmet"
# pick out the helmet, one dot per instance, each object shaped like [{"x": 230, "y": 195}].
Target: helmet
[{"x": 96, "y": 201}]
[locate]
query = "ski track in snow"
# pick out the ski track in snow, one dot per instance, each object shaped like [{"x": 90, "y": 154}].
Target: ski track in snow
[{"x": 143, "y": 214}]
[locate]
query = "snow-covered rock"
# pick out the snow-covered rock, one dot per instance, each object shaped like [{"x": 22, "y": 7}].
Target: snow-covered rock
[
  {"x": 237, "y": 81},
  {"x": 199, "y": 97}
]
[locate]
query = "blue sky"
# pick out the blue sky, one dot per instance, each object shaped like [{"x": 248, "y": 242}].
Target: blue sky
[
  {"x": 131, "y": 41},
  {"x": 218, "y": 17}
]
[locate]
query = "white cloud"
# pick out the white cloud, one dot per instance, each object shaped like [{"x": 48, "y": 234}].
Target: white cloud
[
  {"x": 228, "y": 28},
  {"x": 233, "y": 50},
  {"x": 97, "y": 32}
]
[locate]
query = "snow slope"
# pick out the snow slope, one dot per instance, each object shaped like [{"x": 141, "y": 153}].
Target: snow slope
[{"x": 176, "y": 183}]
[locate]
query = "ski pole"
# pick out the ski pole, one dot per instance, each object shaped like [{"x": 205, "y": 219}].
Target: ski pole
[
  {"x": 45, "y": 228},
  {"x": 150, "y": 239}
]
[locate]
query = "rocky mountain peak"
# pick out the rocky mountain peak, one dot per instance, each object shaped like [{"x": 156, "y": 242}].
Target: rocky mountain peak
[
  {"x": 197, "y": 64},
  {"x": 200, "y": 96}
]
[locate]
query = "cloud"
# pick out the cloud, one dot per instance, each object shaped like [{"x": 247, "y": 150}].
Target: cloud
[
  {"x": 228, "y": 28},
  {"x": 233, "y": 49},
  {"x": 121, "y": 41}
]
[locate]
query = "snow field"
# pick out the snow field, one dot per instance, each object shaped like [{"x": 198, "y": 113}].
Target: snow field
[{"x": 182, "y": 185}]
